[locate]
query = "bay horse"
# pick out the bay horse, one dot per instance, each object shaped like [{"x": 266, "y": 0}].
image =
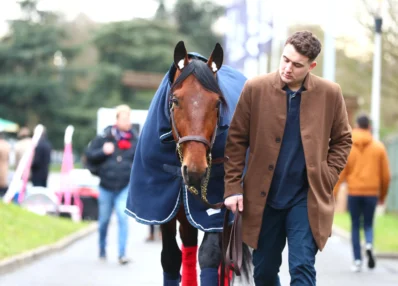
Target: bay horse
[{"x": 182, "y": 161}]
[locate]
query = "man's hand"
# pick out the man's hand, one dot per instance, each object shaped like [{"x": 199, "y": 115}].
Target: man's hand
[
  {"x": 108, "y": 148},
  {"x": 234, "y": 202}
]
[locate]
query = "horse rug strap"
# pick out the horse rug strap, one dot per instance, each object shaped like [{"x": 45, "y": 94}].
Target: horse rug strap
[{"x": 232, "y": 244}]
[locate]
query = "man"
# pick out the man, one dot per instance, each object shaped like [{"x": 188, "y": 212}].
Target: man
[
  {"x": 368, "y": 176},
  {"x": 41, "y": 161},
  {"x": 296, "y": 129},
  {"x": 4, "y": 163},
  {"x": 24, "y": 142},
  {"x": 113, "y": 152}
]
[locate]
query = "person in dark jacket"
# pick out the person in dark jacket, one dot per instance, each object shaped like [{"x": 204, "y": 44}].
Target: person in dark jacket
[
  {"x": 41, "y": 162},
  {"x": 4, "y": 164},
  {"x": 113, "y": 153}
]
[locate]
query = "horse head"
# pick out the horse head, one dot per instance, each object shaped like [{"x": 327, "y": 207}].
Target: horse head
[{"x": 195, "y": 102}]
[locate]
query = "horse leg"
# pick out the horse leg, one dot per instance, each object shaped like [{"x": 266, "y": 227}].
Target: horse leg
[
  {"x": 209, "y": 259},
  {"x": 171, "y": 254},
  {"x": 189, "y": 238}
]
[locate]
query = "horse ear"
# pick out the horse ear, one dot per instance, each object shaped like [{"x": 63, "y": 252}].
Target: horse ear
[
  {"x": 180, "y": 56},
  {"x": 216, "y": 58}
]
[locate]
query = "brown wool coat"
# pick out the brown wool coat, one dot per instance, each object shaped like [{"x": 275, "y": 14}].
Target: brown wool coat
[{"x": 259, "y": 123}]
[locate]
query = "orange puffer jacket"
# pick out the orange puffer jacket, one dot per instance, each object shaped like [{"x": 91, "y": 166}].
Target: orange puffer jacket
[{"x": 367, "y": 172}]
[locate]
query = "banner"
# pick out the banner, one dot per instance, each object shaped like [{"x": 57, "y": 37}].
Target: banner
[{"x": 248, "y": 37}]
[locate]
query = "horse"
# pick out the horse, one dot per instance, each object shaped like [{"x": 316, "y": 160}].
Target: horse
[{"x": 177, "y": 176}]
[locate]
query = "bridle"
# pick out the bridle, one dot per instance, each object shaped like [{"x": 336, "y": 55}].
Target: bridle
[
  {"x": 198, "y": 138},
  {"x": 231, "y": 241}
]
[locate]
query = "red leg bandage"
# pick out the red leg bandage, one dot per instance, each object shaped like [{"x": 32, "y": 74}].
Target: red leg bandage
[
  {"x": 189, "y": 274},
  {"x": 225, "y": 277}
]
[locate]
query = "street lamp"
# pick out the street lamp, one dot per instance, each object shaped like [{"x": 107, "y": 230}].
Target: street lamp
[{"x": 376, "y": 76}]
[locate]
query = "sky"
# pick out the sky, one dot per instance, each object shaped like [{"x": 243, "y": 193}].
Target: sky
[{"x": 342, "y": 13}]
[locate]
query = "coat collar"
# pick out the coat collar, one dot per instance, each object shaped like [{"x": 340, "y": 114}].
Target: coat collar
[{"x": 309, "y": 83}]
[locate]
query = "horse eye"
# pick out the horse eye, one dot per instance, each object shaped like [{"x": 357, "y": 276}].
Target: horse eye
[
  {"x": 218, "y": 104},
  {"x": 174, "y": 100}
]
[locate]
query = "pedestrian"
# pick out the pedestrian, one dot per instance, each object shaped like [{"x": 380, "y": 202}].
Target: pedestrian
[
  {"x": 41, "y": 161},
  {"x": 151, "y": 236},
  {"x": 367, "y": 175},
  {"x": 22, "y": 145},
  {"x": 295, "y": 128},
  {"x": 4, "y": 163},
  {"x": 113, "y": 153}
]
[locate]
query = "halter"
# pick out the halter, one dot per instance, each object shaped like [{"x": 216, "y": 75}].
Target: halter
[
  {"x": 196, "y": 138},
  {"x": 209, "y": 145}
]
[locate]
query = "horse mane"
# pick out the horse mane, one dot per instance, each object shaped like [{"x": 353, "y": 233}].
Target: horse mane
[{"x": 203, "y": 74}]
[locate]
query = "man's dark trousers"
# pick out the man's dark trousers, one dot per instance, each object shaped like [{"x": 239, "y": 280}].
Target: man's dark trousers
[{"x": 278, "y": 225}]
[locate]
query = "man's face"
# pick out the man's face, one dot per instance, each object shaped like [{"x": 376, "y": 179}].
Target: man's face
[
  {"x": 294, "y": 67},
  {"x": 123, "y": 121}
]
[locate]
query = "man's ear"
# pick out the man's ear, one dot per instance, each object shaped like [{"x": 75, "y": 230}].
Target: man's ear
[{"x": 312, "y": 65}]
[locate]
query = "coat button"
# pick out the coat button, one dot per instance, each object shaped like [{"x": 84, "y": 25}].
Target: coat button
[
  {"x": 263, "y": 194},
  {"x": 270, "y": 167},
  {"x": 278, "y": 140}
]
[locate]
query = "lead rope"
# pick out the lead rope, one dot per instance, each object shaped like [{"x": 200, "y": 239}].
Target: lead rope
[{"x": 203, "y": 187}]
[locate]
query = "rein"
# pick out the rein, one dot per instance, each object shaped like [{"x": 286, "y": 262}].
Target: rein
[
  {"x": 232, "y": 250},
  {"x": 203, "y": 140},
  {"x": 209, "y": 144}
]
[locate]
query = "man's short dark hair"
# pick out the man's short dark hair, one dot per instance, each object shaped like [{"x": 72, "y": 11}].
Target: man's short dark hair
[
  {"x": 363, "y": 121},
  {"x": 305, "y": 44}
]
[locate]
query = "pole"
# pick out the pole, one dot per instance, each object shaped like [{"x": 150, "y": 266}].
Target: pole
[
  {"x": 329, "y": 59},
  {"x": 376, "y": 80}
]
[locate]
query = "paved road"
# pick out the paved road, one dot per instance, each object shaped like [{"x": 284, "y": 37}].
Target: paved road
[{"x": 78, "y": 265}]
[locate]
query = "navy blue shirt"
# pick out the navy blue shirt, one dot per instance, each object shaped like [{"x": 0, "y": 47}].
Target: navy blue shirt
[{"x": 290, "y": 183}]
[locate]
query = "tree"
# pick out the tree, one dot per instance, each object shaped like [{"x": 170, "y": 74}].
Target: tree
[
  {"x": 142, "y": 45},
  {"x": 161, "y": 12},
  {"x": 194, "y": 20},
  {"x": 32, "y": 90}
]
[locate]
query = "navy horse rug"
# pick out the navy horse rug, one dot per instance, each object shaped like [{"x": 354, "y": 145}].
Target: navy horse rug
[{"x": 156, "y": 188}]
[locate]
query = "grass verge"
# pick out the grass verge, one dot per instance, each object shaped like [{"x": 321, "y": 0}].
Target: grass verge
[
  {"x": 385, "y": 230},
  {"x": 22, "y": 230}
]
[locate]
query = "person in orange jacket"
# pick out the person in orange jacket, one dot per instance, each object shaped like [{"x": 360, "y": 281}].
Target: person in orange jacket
[{"x": 367, "y": 175}]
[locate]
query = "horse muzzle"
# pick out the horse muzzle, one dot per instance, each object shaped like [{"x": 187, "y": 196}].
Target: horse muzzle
[{"x": 193, "y": 178}]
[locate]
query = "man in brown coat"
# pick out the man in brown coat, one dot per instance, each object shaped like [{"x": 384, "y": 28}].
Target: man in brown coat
[{"x": 296, "y": 129}]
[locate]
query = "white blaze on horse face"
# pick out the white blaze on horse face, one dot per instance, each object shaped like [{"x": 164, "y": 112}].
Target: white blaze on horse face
[
  {"x": 214, "y": 66},
  {"x": 181, "y": 64},
  {"x": 195, "y": 103}
]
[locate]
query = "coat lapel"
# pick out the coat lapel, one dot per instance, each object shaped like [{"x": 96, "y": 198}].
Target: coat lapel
[{"x": 308, "y": 110}]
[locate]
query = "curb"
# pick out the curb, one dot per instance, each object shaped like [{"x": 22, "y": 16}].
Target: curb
[
  {"x": 16, "y": 262},
  {"x": 346, "y": 236}
]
